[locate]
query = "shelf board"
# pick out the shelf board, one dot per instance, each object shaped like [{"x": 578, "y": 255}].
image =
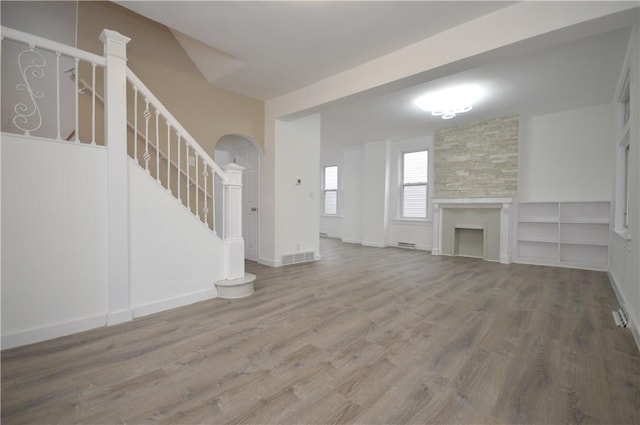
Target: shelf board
[
  {"x": 549, "y": 241},
  {"x": 585, "y": 221},
  {"x": 586, "y": 243}
]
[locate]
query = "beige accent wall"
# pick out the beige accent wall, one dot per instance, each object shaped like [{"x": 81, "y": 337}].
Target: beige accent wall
[
  {"x": 206, "y": 111},
  {"x": 477, "y": 160}
]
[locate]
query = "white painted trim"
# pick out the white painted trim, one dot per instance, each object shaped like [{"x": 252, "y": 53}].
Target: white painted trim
[
  {"x": 374, "y": 244},
  {"x": 466, "y": 201},
  {"x": 49, "y": 140},
  {"x": 45, "y": 333},
  {"x": 115, "y": 317},
  {"x": 269, "y": 262},
  {"x": 356, "y": 241},
  {"x": 633, "y": 326},
  {"x": 171, "y": 303}
]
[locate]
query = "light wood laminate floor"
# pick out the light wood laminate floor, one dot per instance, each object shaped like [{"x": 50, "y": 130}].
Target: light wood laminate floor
[{"x": 364, "y": 336}]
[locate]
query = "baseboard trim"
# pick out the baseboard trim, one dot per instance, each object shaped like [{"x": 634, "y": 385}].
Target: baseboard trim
[
  {"x": 269, "y": 262},
  {"x": 356, "y": 241},
  {"x": 633, "y": 326},
  {"x": 115, "y": 317},
  {"x": 171, "y": 303},
  {"x": 374, "y": 244},
  {"x": 58, "y": 330}
]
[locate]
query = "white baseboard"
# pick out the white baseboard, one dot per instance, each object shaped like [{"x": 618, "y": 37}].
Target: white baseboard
[
  {"x": 53, "y": 331},
  {"x": 356, "y": 241},
  {"x": 269, "y": 262},
  {"x": 115, "y": 317},
  {"x": 374, "y": 244},
  {"x": 168, "y": 304},
  {"x": 632, "y": 325}
]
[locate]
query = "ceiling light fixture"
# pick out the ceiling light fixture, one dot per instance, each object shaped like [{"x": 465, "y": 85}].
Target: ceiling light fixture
[{"x": 447, "y": 103}]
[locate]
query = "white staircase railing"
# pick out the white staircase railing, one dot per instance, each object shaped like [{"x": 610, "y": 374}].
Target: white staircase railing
[
  {"x": 104, "y": 94},
  {"x": 45, "y": 104},
  {"x": 162, "y": 146}
]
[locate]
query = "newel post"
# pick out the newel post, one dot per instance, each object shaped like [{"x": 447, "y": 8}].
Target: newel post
[
  {"x": 233, "y": 220},
  {"x": 115, "y": 118}
]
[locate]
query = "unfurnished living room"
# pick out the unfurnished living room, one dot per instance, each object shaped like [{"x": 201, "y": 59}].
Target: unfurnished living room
[{"x": 313, "y": 212}]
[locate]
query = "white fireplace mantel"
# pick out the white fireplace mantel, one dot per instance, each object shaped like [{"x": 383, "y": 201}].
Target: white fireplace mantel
[{"x": 503, "y": 204}]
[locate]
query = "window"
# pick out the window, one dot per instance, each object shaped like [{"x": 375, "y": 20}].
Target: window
[
  {"x": 622, "y": 192},
  {"x": 330, "y": 190},
  {"x": 414, "y": 184}
]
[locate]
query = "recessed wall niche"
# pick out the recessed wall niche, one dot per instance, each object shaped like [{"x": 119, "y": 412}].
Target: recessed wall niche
[{"x": 477, "y": 160}]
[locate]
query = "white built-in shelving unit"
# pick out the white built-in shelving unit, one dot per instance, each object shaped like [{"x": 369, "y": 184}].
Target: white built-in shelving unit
[{"x": 568, "y": 234}]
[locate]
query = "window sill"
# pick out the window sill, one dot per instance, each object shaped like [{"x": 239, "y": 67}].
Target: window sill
[{"x": 412, "y": 221}]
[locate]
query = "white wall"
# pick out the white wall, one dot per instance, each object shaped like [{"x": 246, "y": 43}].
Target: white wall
[
  {"x": 174, "y": 259},
  {"x": 297, "y": 156},
  {"x": 625, "y": 250},
  {"x": 567, "y": 156},
  {"x": 353, "y": 188},
  {"x": 375, "y": 206},
  {"x": 54, "y": 239}
]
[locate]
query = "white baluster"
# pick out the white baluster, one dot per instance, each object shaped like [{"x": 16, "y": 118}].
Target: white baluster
[
  {"x": 77, "y": 74},
  {"x": 135, "y": 123},
  {"x": 157, "y": 147},
  {"x": 168, "y": 156},
  {"x": 58, "y": 93},
  {"x": 188, "y": 178},
  {"x": 147, "y": 115},
  {"x": 93, "y": 103},
  {"x": 179, "y": 165},
  {"x": 205, "y": 175},
  {"x": 197, "y": 187},
  {"x": 213, "y": 201}
]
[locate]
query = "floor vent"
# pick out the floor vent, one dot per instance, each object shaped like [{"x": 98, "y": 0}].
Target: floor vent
[
  {"x": 409, "y": 245},
  {"x": 300, "y": 257},
  {"x": 620, "y": 317}
]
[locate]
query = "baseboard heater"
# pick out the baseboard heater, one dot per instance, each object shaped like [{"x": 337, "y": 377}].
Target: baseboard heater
[
  {"x": 408, "y": 245},
  {"x": 299, "y": 257},
  {"x": 620, "y": 317}
]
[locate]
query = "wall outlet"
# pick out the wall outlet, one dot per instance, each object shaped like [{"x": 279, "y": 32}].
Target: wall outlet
[{"x": 192, "y": 161}]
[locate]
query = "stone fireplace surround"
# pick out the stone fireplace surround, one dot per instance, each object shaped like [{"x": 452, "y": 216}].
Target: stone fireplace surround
[{"x": 503, "y": 204}]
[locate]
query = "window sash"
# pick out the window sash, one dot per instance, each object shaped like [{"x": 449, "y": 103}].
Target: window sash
[
  {"x": 330, "y": 190},
  {"x": 330, "y": 204},
  {"x": 414, "y": 200},
  {"x": 414, "y": 191}
]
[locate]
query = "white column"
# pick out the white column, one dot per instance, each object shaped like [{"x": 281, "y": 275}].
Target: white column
[
  {"x": 115, "y": 118},
  {"x": 505, "y": 235},
  {"x": 437, "y": 229},
  {"x": 233, "y": 220}
]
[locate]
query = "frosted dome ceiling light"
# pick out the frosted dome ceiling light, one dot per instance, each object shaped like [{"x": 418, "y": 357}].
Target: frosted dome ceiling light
[{"x": 449, "y": 102}]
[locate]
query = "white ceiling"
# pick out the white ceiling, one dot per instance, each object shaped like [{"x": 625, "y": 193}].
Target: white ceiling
[
  {"x": 266, "y": 49},
  {"x": 287, "y": 45}
]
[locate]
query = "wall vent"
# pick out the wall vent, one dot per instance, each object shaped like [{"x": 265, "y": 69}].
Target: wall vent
[
  {"x": 300, "y": 257},
  {"x": 409, "y": 245},
  {"x": 620, "y": 317},
  {"x": 324, "y": 235}
]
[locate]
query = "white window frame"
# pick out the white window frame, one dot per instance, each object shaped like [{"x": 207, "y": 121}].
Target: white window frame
[
  {"x": 325, "y": 190},
  {"x": 403, "y": 184},
  {"x": 624, "y": 114}
]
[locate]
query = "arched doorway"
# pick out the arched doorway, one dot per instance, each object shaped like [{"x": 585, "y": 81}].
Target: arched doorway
[{"x": 245, "y": 152}]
